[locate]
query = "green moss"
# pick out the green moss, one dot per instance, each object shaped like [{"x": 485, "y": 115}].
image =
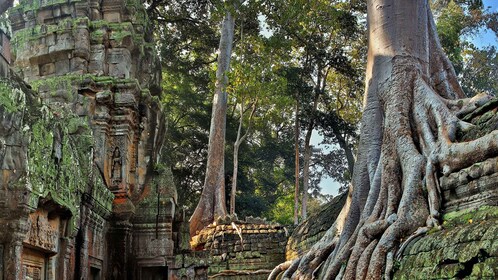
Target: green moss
[
  {"x": 121, "y": 30},
  {"x": 468, "y": 241},
  {"x": 58, "y": 82},
  {"x": 11, "y": 97},
  {"x": 469, "y": 216},
  {"x": 26, "y": 35},
  {"x": 64, "y": 179}
]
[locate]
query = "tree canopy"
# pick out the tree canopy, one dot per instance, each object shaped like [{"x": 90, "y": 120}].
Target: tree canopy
[{"x": 284, "y": 52}]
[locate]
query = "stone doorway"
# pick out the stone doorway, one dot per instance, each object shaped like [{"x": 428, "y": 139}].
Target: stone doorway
[
  {"x": 154, "y": 273},
  {"x": 34, "y": 264},
  {"x": 95, "y": 273}
]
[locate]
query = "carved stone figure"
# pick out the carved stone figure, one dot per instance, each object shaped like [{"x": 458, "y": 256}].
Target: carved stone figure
[{"x": 117, "y": 163}]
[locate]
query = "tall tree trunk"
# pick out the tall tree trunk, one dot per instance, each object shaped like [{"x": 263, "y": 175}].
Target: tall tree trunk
[
  {"x": 296, "y": 170},
  {"x": 238, "y": 141},
  {"x": 307, "y": 153},
  {"x": 212, "y": 203},
  {"x": 407, "y": 138},
  {"x": 306, "y": 173}
]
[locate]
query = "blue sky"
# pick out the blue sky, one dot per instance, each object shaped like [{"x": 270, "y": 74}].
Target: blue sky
[{"x": 484, "y": 38}]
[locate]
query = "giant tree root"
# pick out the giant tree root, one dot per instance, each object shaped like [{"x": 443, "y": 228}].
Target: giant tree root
[
  {"x": 408, "y": 140},
  {"x": 407, "y": 195},
  {"x": 279, "y": 269}
]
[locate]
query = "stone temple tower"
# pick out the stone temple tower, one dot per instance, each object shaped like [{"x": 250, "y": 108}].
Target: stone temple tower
[{"x": 83, "y": 196}]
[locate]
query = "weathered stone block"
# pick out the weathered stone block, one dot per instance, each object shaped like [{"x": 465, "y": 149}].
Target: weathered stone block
[
  {"x": 47, "y": 69},
  {"x": 119, "y": 61},
  {"x": 125, "y": 99},
  {"x": 112, "y": 16},
  {"x": 97, "y": 60},
  {"x": 82, "y": 42},
  {"x": 50, "y": 39},
  {"x": 79, "y": 65},
  {"x": 62, "y": 67},
  {"x": 64, "y": 42}
]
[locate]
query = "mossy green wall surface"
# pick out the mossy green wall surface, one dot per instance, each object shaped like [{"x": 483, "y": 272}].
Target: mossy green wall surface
[
  {"x": 65, "y": 175},
  {"x": 12, "y": 98},
  {"x": 467, "y": 248}
]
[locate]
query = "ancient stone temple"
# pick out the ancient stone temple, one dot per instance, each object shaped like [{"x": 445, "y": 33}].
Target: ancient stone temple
[{"x": 82, "y": 195}]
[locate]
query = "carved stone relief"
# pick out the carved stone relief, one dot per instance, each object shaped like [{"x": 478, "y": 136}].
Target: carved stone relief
[{"x": 42, "y": 232}]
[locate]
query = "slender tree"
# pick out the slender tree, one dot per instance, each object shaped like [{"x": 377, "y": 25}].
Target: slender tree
[
  {"x": 212, "y": 203},
  {"x": 240, "y": 139},
  {"x": 307, "y": 155},
  {"x": 318, "y": 32},
  {"x": 408, "y": 137},
  {"x": 296, "y": 167}
]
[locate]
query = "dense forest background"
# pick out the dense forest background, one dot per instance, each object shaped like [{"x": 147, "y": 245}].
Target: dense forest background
[{"x": 297, "y": 70}]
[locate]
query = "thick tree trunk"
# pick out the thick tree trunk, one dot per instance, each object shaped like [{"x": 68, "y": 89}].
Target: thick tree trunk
[
  {"x": 212, "y": 203},
  {"x": 407, "y": 139}
]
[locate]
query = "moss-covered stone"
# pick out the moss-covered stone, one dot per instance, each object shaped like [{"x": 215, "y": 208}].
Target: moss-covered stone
[
  {"x": 465, "y": 249},
  {"x": 313, "y": 228},
  {"x": 11, "y": 97},
  {"x": 484, "y": 119}
]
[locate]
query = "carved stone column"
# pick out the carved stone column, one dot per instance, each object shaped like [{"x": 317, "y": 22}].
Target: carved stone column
[
  {"x": 119, "y": 238},
  {"x": 13, "y": 259}
]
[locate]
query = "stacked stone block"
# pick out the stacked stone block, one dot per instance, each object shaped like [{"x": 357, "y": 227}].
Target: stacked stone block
[
  {"x": 242, "y": 250},
  {"x": 475, "y": 185}
]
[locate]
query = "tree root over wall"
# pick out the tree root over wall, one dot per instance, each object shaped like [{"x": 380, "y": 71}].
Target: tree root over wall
[{"x": 416, "y": 102}]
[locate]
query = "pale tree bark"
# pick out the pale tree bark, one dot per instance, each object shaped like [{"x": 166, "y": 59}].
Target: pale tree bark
[
  {"x": 307, "y": 155},
  {"x": 296, "y": 170},
  {"x": 212, "y": 203},
  {"x": 306, "y": 175},
  {"x": 409, "y": 123},
  {"x": 240, "y": 139}
]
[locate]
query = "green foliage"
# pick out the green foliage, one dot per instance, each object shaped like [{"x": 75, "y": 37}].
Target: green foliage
[
  {"x": 480, "y": 71},
  {"x": 326, "y": 73},
  {"x": 263, "y": 72},
  {"x": 450, "y": 26},
  {"x": 457, "y": 22},
  {"x": 283, "y": 210},
  {"x": 11, "y": 97}
]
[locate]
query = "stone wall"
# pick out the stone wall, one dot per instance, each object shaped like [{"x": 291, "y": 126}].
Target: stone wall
[
  {"x": 475, "y": 185},
  {"x": 48, "y": 188},
  {"x": 241, "y": 249},
  {"x": 311, "y": 230},
  {"x": 467, "y": 248}
]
